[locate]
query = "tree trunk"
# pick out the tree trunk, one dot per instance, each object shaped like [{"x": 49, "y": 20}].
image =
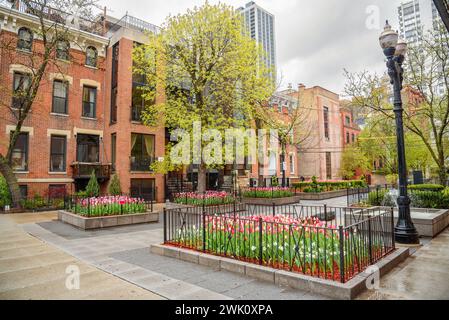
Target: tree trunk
[
  {"x": 442, "y": 174},
  {"x": 202, "y": 177},
  {"x": 11, "y": 180}
]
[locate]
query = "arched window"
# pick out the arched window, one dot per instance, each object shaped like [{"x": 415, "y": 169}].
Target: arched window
[
  {"x": 25, "y": 41},
  {"x": 62, "y": 50},
  {"x": 91, "y": 56}
]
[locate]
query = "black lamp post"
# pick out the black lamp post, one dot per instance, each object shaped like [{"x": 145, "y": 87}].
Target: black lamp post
[{"x": 395, "y": 50}]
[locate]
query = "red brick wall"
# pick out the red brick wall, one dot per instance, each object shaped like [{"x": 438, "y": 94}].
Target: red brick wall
[
  {"x": 40, "y": 118},
  {"x": 124, "y": 127}
]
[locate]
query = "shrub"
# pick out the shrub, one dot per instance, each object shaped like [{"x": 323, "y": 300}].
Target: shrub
[
  {"x": 427, "y": 187},
  {"x": 5, "y": 196},
  {"x": 429, "y": 199},
  {"x": 381, "y": 197},
  {"x": 114, "y": 187},
  {"x": 93, "y": 188},
  {"x": 37, "y": 202}
]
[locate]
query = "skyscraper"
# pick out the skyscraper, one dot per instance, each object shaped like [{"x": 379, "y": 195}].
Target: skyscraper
[
  {"x": 261, "y": 26},
  {"x": 415, "y": 18}
]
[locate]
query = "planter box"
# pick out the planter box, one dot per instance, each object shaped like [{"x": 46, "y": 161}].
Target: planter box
[
  {"x": 323, "y": 195},
  {"x": 270, "y": 201},
  {"x": 85, "y": 223},
  {"x": 333, "y": 289},
  {"x": 428, "y": 222}
]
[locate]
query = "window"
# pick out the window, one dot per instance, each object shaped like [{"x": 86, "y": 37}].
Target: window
[
  {"x": 89, "y": 102},
  {"x": 88, "y": 148},
  {"x": 91, "y": 56},
  {"x": 23, "y": 192},
  {"x": 348, "y": 120},
  {"x": 113, "y": 150},
  {"x": 62, "y": 50},
  {"x": 142, "y": 151},
  {"x": 292, "y": 163},
  {"x": 143, "y": 188},
  {"x": 329, "y": 165},
  {"x": 353, "y": 138},
  {"x": 138, "y": 102},
  {"x": 114, "y": 82},
  {"x": 57, "y": 191},
  {"x": 60, "y": 89},
  {"x": 19, "y": 155},
  {"x": 347, "y": 138},
  {"x": 58, "y": 148},
  {"x": 21, "y": 83},
  {"x": 326, "y": 122},
  {"x": 25, "y": 39}
]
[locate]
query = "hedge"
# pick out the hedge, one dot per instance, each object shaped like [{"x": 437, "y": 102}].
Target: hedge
[{"x": 429, "y": 187}]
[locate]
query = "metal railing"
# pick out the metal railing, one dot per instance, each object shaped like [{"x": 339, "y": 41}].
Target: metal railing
[
  {"x": 281, "y": 239},
  {"x": 56, "y": 15}
]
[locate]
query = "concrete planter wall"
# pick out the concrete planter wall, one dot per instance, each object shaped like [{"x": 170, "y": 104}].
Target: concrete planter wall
[
  {"x": 85, "y": 223},
  {"x": 322, "y": 195},
  {"x": 336, "y": 290},
  {"x": 270, "y": 201}
]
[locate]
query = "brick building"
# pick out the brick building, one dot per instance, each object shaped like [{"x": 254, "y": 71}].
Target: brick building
[
  {"x": 320, "y": 156},
  {"x": 84, "y": 117}
]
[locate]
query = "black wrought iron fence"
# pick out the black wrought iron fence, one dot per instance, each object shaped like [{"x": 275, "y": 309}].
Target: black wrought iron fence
[{"x": 303, "y": 244}]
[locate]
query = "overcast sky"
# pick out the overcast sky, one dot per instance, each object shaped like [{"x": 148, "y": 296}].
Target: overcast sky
[{"x": 315, "y": 39}]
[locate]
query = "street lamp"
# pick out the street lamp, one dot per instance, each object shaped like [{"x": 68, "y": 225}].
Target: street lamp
[{"x": 395, "y": 51}]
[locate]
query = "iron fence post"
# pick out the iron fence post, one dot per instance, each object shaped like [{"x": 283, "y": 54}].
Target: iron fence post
[
  {"x": 347, "y": 197},
  {"x": 165, "y": 224},
  {"x": 260, "y": 241},
  {"x": 274, "y": 209},
  {"x": 342, "y": 255},
  {"x": 204, "y": 231},
  {"x": 88, "y": 207},
  {"x": 325, "y": 213},
  {"x": 370, "y": 241},
  {"x": 393, "y": 239}
]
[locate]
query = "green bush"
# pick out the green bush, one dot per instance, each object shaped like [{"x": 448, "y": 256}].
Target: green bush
[
  {"x": 377, "y": 198},
  {"x": 93, "y": 188},
  {"x": 5, "y": 196},
  {"x": 37, "y": 202},
  {"x": 427, "y": 187},
  {"x": 114, "y": 187},
  {"x": 429, "y": 199}
]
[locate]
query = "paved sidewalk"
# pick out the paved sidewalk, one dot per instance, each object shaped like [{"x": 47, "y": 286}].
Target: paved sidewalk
[
  {"x": 423, "y": 276},
  {"x": 33, "y": 270},
  {"x": 124, "y": 252}
]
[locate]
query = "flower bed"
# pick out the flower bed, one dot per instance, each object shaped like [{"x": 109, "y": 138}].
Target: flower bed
[
  {"x": 315, "y": 186},
  {"x": 274, "y": 192},
  {"x": 107, "y": 206},
  {"x": 306, "y": 245},
  {"x": 209, "y": 198}
]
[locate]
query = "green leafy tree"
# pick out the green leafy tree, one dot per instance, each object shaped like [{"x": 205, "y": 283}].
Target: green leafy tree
[
  {"x": 353, "y": 159},
  {"x": 93, "y": 188},
  {"x": 210, "y": 72},
  {"x": 114, "y": 188},
  {"x": 426, "y": 78}
]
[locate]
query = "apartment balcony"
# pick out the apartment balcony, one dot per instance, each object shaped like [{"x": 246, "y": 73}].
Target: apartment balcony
[
  {"x": 141, "y": 164},
  {"x": 84, "y": 171}
]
